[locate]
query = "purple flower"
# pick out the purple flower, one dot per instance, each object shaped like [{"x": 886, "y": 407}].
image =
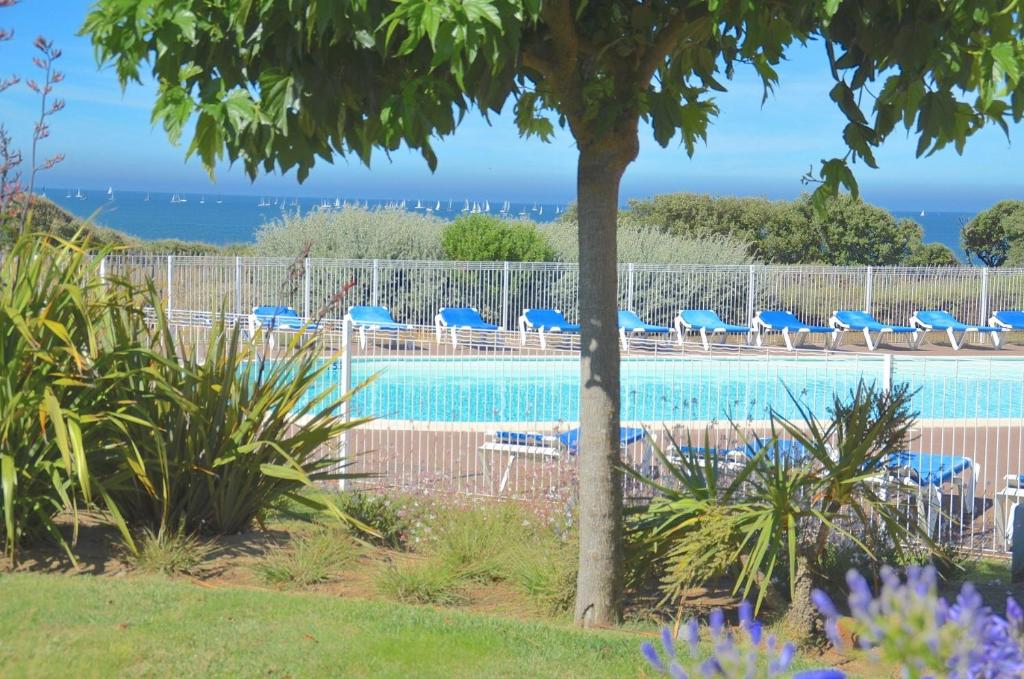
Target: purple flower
[
  {"x": 824, "y": 604},
  {"x": 652, "y": 656}
]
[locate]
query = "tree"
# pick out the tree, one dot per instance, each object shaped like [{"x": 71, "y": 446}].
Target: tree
[
  {"x": 992, "y": 233},
  {"x": 848, "y": 231},
  {"x": 282, "y": 84}
]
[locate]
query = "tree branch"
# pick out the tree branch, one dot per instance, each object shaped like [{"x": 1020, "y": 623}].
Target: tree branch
[{"x": 678, "y": 29}]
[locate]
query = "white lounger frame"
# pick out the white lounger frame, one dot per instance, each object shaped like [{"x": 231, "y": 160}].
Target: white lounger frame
[
  {"x": 843, "y": 328},
  {"x": 525, "y": 327},
  {"x": 759, "y": 328},
  {"x": 440, "y": 326},
  {"x": 997, "y": 340},
  {"x": 363, "y": 327},
  {"x": 681, "y": 326}
]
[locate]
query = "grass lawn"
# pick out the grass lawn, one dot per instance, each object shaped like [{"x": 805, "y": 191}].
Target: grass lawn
[{"x": 67, "y": 626}]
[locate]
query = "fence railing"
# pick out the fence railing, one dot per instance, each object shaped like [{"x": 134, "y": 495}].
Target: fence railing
[
  {"x": 414, "y": 290},
  {"x": 439, "y": 411}
]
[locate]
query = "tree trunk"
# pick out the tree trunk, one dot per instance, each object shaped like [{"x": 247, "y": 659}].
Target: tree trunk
[
  {"x": 599, "y": 584},
  {"x": 801, "y": 619}
]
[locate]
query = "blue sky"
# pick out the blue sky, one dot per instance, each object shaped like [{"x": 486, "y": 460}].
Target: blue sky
[{"x": 751, "y": 150}]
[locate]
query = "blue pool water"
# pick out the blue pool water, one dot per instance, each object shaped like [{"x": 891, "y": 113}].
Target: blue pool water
[{"x": 673, "y": 389}]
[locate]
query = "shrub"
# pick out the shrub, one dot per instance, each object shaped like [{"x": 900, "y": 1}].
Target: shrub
[
  {"x": 309, "y": 559},
  {"x": 213, "y": 437},
  {"x": 484, "y": 238},
  {"x": 353, "y": 233},
  {"x": 62, "y": 331},
  {"x": 645, "y": 245},
  {"x": 422, "y": 581},
  {"x": 931, "y": 254},
  {"x": 169, "y": 552},
  {"x": 385, "y": 515},
  {"x": 783, "y": 515}
]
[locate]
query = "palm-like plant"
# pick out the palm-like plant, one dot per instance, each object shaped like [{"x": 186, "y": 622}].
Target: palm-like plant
[
  {"x": 225, "y": 431},
  {"x": 776, "y": 511},
  {"x": 59, "y": 323}
]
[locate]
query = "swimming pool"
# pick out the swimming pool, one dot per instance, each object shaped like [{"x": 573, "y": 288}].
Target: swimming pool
[{"x": 524, "y": 389}]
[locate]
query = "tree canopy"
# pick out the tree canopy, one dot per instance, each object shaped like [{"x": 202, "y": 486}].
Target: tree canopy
[
  {"x": 842, "y": 230},
  {"x": 993, "y": 236}
]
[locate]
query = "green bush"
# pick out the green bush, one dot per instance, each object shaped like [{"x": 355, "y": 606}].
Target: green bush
[
  {"x": 212, "y": 440},
  {"x": 483, "y": 238},
  {"x": 309, "y": 559},
  {"x": 385, "y": 515},
  {"x": 353, "y": 233},
  {"x": 645, "y": 245},
  {"x": 63, "y": 336},
  {"x": 787, "y": 232}
]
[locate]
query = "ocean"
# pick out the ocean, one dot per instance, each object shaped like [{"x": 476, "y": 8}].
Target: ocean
[{"x": 221, "y": 219}]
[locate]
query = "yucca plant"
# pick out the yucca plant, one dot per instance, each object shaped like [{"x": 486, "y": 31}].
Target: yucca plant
[
  {"x": 224, "y": 431},
  {"x": 775, "y": 513},
  {"x": 57, "y": 327}
]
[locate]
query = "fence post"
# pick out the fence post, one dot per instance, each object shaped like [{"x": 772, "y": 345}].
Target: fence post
[
  {"x": 867, "y": 290},
  {"x": 504, "y": 297},
  {"x": 629, "y": 286},
  {"x": 346, "y": 386},
  {"x": 886, "y": 373},
  {"x": 238, "y": 285},
  {"x": 983, "y": 302},
  {"x": 170, "y": 283},
  {"x": 103, "y": 272},
  {"x": 375, "y": 289},
  {"x": 305, "y": 292},
  {"x": 750, "y": 294}
]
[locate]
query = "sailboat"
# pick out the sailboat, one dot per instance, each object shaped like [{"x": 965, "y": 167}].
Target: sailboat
[
  {"x": 219, "y": 201},
  {"x": 487, "y": 206},
  {"x": 202, "y": 201},
  {"x": 69, "y": 194},
  {"x": 110, "y": 193},
  {"x": 146, "y": 199},
  {"x": 541, "y": 210},
  {"x": 337, "y": 203},
  {"x": 922, "y": 213},
  {"x": 437, "y": 208},
  {"x": 79, "y": 195},
  {"x": 465, "y": 208}
]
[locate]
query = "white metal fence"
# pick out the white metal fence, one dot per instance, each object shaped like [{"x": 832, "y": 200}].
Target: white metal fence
[
  {"x": 414, "y": 290},
  {"x": 440, "y": 413}
]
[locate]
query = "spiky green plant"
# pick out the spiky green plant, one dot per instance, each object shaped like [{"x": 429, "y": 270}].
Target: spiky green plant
[
  {"x": 227, "y": 431},
  {"x": 61, "y": 327},
  {"x": 775, "y": 514}
]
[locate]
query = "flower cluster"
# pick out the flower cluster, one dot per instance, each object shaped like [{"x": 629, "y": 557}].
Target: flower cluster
[
  {"x": 909, "y": 625},
  {"x": 748, "y": 656}
]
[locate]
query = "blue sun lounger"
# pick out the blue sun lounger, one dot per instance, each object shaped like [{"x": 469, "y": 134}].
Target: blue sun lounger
[
  {"x": 930, "y": 471},
  {"x": 374, "y": 319},
  {"x": 515, "y": 444},
  {"x": 544, "y": 321},
  {"x": 943, "y": 321},
  {"x": 861, "y": 321},
  {"x": 790, "y": 326},
  {"x": 1007, "y": 320},
  {"x": 631, "y": 325},
  {"x": 466, "y": 318},
  {"x": 278, "y": 318},
  {"x": 708, "y": 324}
]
